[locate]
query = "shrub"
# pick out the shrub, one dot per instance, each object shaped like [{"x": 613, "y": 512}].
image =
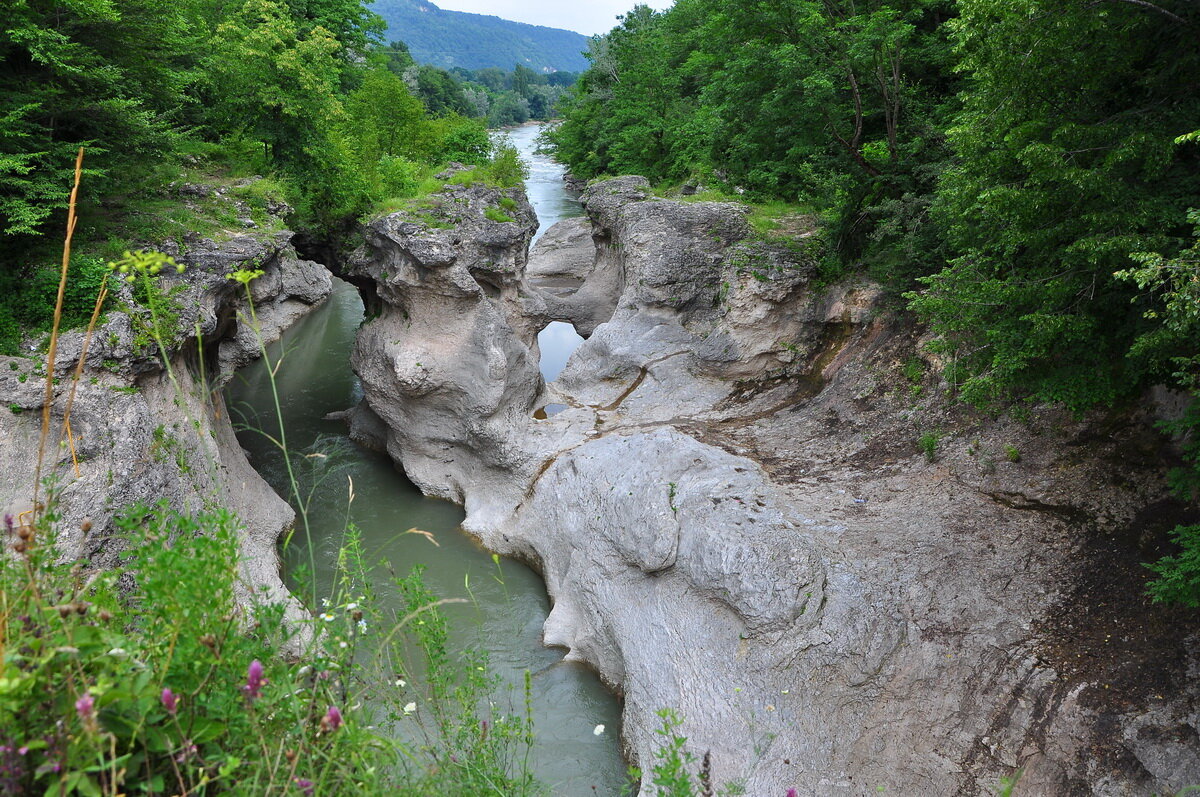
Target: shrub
[
  {"x": 928, "y": 443},
  {"x": 149, "y": 678},
  {"x": 507, "y": 170}
]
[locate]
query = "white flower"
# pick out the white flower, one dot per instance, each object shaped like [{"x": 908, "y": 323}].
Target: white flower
[
  {"x": 599, "y": 729},
  {"x": 119, "y": 653},
  {"x": 325, "y": 602},
  {"x": 362, "y": 626},
  {"x": 351, "y": 607},
  {"x": 327, "y": 617},
  {"x": 400, "y": 682},
  {"x": 343, "y": 645},
  {"x": 410, "y": 708}
]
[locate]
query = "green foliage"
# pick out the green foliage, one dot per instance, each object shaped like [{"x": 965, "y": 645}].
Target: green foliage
[
  {"x": 928, "y": 443},
  {"x": 148, "y": 678},
  {"x": 155, "y": 313},
  {"x": 506, "y": 168},
  {"x": 496, "y": 214},
  {"x": 28, "y": 304},
  {"x": 676, "y": 771},
  {"x": 1066, "y": 167},
  {"x": 460, "y": 139},
  {"x": 836, "y": 105}
]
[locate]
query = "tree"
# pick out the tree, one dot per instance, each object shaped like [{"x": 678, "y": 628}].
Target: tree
[
  {"x": 1066, "y": 166},
  {"x": 275, "y": 82},
  {"x": 90, "y": 73}
]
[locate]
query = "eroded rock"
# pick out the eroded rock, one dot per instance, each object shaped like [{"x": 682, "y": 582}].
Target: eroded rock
[
  {"x": 735, "y": 520},
  {"x": 141, "y": 433}
]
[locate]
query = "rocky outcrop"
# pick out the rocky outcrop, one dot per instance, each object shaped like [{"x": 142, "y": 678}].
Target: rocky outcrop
[
  {"x": 143, "y": 433},
  {"x": 760, "y": 510}
]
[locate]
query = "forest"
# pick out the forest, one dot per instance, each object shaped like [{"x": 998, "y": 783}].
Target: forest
[
  {"x": 302, "y": 92},
  {"x": 1024, "y": 175},
  {"x": 449, "y": 39}
]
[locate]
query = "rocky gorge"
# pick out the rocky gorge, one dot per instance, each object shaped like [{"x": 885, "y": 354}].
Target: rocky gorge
[
  {"x": 145, "y": 429},
  {"x": 750, "y": 493},
  {"x": 753, "y": 503}
]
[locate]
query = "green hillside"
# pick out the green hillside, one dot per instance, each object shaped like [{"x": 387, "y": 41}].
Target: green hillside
[{"x": 475, "y": 41}]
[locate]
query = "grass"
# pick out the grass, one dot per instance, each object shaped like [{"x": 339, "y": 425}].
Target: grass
[
  {"x": 151, "y": 677},
  {"x": 498, "y": 215},
  {"x": 928, "y": 443}
]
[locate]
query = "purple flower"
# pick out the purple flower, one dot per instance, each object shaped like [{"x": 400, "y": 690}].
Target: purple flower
[
  {"x": 84, "y": 706},
  {"x": 254, "y": 680},
  {"x": 8, "y": 523},
  {"x": 332, "y": 719},
  {"x": 792, "y": 793},
  {"x": 186, "y": 751},
  {"x": 170, "y": 702},
  {"x": 303, "y": 784}
]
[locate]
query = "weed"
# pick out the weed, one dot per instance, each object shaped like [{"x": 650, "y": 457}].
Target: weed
[
  {"x": 914, "y": 370},
  {"x": 496, "y": 214},
  {"x": 1012, "y": 454},
  {"x": 928, "y": 443}
]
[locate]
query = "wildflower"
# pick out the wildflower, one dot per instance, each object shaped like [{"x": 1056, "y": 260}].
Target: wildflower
[
  {"x": 332, "y": 719},
  {"x": 351, "y": 607},
  {"x": 599, "y": 729},
  {"x": 85, "y": 707},
  {"x": 254, "y": 680},
  {"x": 327, "y": 617},
  {"x": 8, "y": 523},
  {"x": 792, "y": 793},
  {"x": 169, "y": 701},
  {"x": 304, "y": 785},
  {"x": 362, "y": 626},
  {"x": 343, "y": 644},
  {"x": 400, "y": 682},
  {"x": 188, "y": 750},
  {"x": 118, "y": 653},
  {"x": 410, "y": 708}
]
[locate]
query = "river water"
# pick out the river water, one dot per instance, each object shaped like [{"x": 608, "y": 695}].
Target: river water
[{"x": 507, "y": 602}]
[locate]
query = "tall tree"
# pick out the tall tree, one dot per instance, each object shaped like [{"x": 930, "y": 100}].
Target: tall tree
[{"x": 1066, "y": 165}]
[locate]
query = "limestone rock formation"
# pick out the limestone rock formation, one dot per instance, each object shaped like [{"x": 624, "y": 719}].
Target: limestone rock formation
[
  {"x": 142, "y": 434},
  {"x": 759, "y": 508}
]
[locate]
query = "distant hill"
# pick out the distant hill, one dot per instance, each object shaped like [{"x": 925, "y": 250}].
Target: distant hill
[{"x": 475, "y": 41}]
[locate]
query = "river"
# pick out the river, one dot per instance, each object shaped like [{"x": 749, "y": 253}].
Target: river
[{"x": 507, "y": 602}]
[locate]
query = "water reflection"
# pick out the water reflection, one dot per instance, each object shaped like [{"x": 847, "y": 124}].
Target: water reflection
[{"x": 556, "y": 342}]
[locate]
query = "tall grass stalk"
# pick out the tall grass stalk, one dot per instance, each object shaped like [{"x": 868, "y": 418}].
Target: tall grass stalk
[
  {"x": 245, "y": 277},
  {"x": 52, "y": 353}
]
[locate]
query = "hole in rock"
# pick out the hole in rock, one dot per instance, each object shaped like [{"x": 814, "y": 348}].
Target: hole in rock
[
  {"x": 556, "y": 343},
  {"x": 542, "y": 413}
]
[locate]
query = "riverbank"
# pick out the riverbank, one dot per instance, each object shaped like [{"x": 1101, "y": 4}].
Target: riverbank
[{"x": 758, "y": 508}]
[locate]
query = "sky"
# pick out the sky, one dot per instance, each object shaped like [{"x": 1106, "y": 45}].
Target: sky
[{"x": 585, "y": 16}]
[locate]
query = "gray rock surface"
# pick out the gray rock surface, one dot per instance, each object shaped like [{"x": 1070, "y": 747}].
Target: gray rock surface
[
  {"x": 735, "y": 518},
  {"x": 143, "y": 434}
]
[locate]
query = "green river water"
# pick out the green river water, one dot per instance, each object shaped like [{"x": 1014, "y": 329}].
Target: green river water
[{"x": 507, "y": 603}]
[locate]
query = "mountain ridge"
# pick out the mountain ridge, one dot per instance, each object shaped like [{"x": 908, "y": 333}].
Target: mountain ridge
[{"x": 448, "y": 39}]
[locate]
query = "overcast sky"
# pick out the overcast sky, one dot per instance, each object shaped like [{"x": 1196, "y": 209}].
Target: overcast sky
[{"x": 584, "y": 16}]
